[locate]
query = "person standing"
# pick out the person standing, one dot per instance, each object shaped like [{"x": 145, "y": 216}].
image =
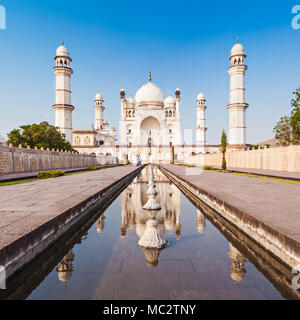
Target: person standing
[{"x": 135, "y": 160}]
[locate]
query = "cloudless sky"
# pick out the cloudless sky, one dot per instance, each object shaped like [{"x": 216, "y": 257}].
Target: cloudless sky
[{"x": 113, "y": 43}]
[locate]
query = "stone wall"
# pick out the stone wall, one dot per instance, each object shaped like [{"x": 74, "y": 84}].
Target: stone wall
[
  {"x": 18, "y": 160},
  {"x": 159, "y": 154},
  {"x": 278, "y": 159}
]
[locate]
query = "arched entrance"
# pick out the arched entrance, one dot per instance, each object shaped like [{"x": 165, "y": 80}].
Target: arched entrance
[{"x": 150, "y": 132}]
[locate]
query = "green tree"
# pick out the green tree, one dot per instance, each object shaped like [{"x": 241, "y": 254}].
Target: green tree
[
  {"x": 296, "y": 100},
  {"x": 224, "y": 147},
  {"x": 39, "y": 135},
  {"x": 287, "y": 130},
  {"x": 283, "y": 131},
  {"x": 295, "y": 117},
  {"x": 295, "y": 124}
]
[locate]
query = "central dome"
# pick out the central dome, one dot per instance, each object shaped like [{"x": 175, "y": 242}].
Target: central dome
[{"x": 149, "y": 93}]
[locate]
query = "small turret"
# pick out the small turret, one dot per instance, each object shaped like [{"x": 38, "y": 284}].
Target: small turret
[{"x": 99, "y": 110}]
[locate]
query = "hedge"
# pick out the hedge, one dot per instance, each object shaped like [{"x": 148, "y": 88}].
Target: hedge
[
  {"x": 50, "y": 174},
  {"x": 93, "y": 168}
]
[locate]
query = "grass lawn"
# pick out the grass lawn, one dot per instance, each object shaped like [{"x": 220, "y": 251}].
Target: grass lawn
[{"x": 11, "y": 183}]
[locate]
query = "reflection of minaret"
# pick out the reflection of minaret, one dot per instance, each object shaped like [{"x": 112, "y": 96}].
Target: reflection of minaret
[
  {"x": 128, "y": 209},
  {"x": 200, "y": 221},
  {"x": 178, "y": 225},
  {"x": 171, "y": 198},
  {"x": 152, "y": 256},
  {"x": 238, "y": 270},
  {"x": 65, "y": 267},
  {"x": 100, "y": 224},
  {"x": 124, "y": 224}
]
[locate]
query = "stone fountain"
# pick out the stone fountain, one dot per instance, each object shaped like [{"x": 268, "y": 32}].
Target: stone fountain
[
  {"x": 152, "y": 204},
  {"x": 152, "y": 238}
]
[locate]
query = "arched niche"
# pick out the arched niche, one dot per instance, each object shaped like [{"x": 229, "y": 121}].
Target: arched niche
[{"x": 150, "y": 131}]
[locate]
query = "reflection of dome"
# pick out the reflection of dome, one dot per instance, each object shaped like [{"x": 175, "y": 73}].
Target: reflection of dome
[
  {"x": 64, "y": 276},
  {"x": 237, "y": 49},
  {"x": 149, "y": 93},
  {"x": 237, "y": 276},
  {"x": 62, "y": 51}
]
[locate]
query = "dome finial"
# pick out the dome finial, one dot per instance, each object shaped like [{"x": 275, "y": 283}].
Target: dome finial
[
  {"x": 238, "y": 39},
  {"x": 63, "y": 42},
  {"x": 150, "y": 76}
]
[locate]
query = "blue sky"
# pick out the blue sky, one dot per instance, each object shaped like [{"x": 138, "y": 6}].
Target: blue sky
[{"x": 113, "y": 43}]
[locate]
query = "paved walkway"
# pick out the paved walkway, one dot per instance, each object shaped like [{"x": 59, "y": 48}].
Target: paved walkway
[
  {"x": 31, "y": 175},
  {"x": 276, "y": 204},
  {"x": 268, "y": 173},
  {"x": 26, "y": 207}
]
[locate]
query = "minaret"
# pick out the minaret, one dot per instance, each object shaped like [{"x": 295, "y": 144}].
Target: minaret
[
  {"x": 63, "y": 107},
  {"x": 122, "y": 124},
  {"x": 99, "y": 109},
  {"x": 178, "y": 126},
  {"x": 237, "y": 105},
  {"x": 201, "y": 129}
]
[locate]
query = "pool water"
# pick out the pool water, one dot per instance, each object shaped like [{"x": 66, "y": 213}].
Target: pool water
[{"x": 107, "y": 263}]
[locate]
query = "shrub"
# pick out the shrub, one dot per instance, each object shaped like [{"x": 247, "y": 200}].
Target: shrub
[
  {"x": 208, "y": 168},
  {"x": 224, "y": 165},
  {"x": 93, "y": 168},
  {"x": 50, "y": 174}
]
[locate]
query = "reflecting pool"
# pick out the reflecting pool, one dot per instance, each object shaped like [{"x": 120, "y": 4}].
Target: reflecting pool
[{"x": 102, "y": 259}]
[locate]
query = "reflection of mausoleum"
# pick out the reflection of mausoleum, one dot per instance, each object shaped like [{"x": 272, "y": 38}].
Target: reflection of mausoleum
[{"x": 135, "y": 197}]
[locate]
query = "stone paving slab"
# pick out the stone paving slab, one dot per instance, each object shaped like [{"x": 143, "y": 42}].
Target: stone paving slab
[
  {"x": 270, "y": 173},
  {"x": 273, "y": 204},
  {"x": 27, "y": 206}
]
